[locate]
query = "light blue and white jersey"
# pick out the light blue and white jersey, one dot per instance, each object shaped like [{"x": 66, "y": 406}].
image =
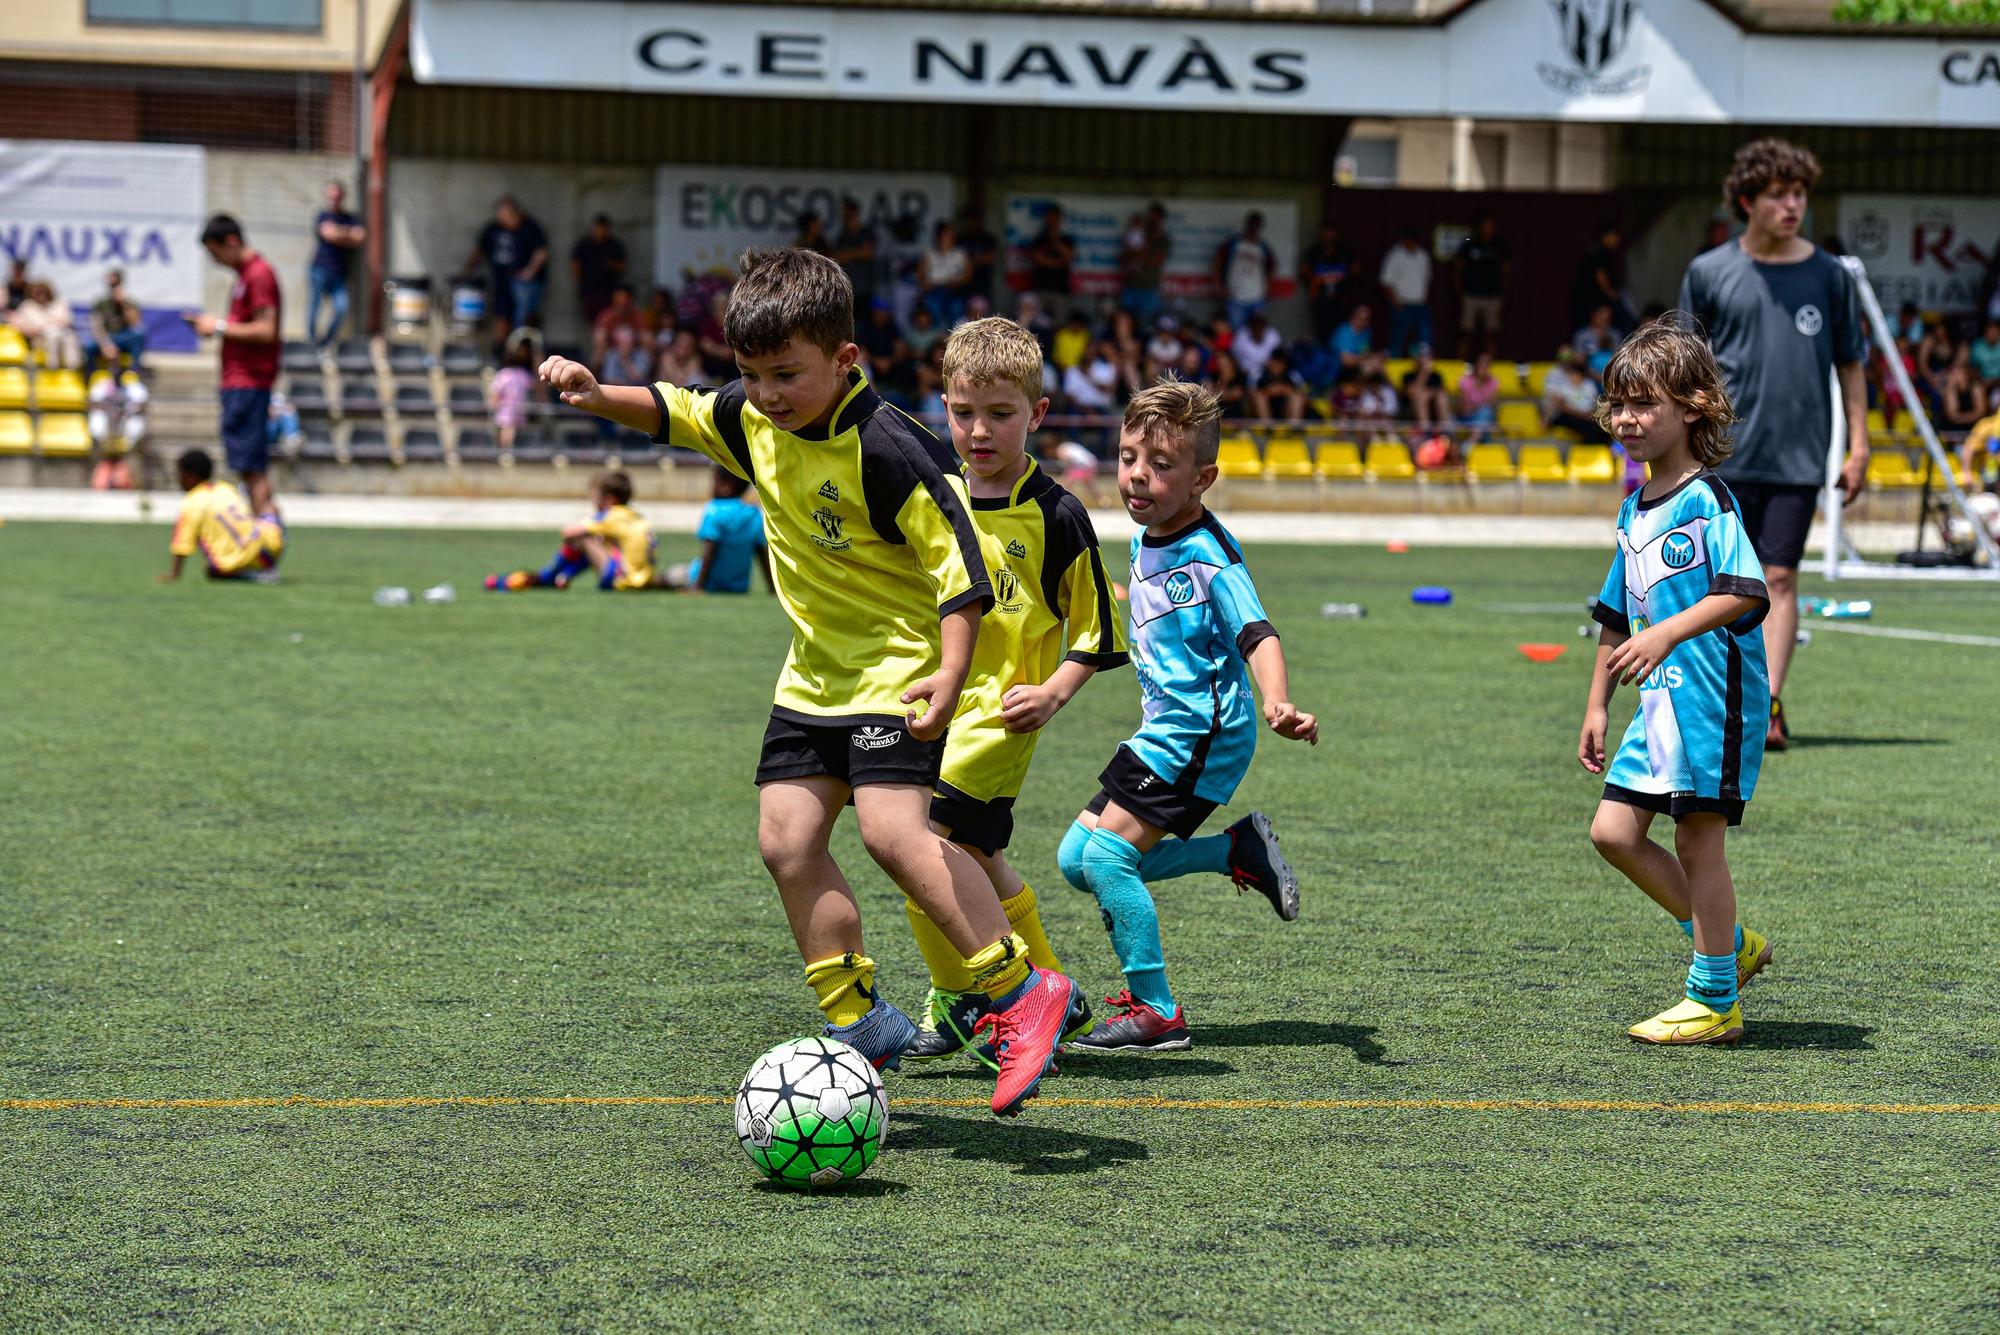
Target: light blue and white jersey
[
  {"x": 1195, "y": 619},
  {"x": 1697, "y": 740}
]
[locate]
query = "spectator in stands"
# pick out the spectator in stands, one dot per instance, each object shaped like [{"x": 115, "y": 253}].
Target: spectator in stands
[
  {"x": 1483, "y": 264},
  {"x": 944, "y": 275},
  {"x": 1325, "y": 267},
  {"x": 1243, "y": 268},
  {"x": 1225, "y": 381},
  {"x": 597, "y": 266},
  {"x": 248, "y": 356},
  {"x": 1070, "y": 462},
  {"x": 903, "y": 254},
  {"x": 1280, "y": 391},
  {"x": 1910, "y": 323},
  {"x": 622, "y": 312},
  {"x": 1600, "y": 277},
  {"x": 1373, "y": 404},
  {"x": 1935, "y": 352},
  {"x": 1072, "y": 341},
  {"x": 718, "y": 359},
  {"x": 1091, "y": 386},
  {"x": 1354, "y": 341},
  {"x": 625, "y": 361},
  {"x": 508, "y": 394},
  {"x": 116, "y": 329},
  {"x": 17, "y": 282},
  {"x": 1961, "y": 398},
  {"x": 892, "y": 366},
  {"x": 1163, "y": 349},
  {"x": 659, "y": 322},
  {"x": 1596, "y": 341},
  {"x": 515, "y": 250},
  {"x": 1033, "y": 317},
  {"x": 854, "y": 251},
  {"x": 1142, "y": 260},
  {"x": 1569, "y": 398},
  {"x": 1130, "y": 353},
  {"x": 1893, "y": 404},
  {"x": 1221, "y": 335},
  {"x": 983, "y": 249},
  {"x": 1406, "y": 277},
  {"x": 337, "y": 235},
  {"x": 1477, "y": 401},
  {"x": 679, "y": 363},
  {"x": 1051, "y": 254},
  {"x": 812, "y": 234},
  {"x": 1255, "y": 341},
  {"x": 924, "y": 332},
  {"x": 1424, "y": 392},
  {"x": 48, "y": 326},
  {"x": 1195, "y": 364},
  {"x": 1986, "y": 357}
]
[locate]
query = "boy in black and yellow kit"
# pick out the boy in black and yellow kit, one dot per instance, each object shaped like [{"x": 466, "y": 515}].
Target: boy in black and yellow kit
[
  {"x": 878, "y": 567},
  {"x": 1052, "y": 625}
]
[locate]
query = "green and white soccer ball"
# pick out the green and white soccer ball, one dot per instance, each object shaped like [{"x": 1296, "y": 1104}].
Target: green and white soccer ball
[{"x": 811, "y": 1114}]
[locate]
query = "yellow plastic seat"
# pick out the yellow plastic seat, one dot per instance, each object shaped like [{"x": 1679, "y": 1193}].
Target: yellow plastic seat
[
  {"x": 1878, "y": 425},
  {"x": 17, "y": 433},
  {"x": 1538, "y": 376},
  {"x": 1452, "y": 371},
  {"x": 1890, "y": 469},
  {"x": 1490, "y": 463},
  {"x": 64, "y": 434},
  {"x": 13, "y": 387},
  {"x": 1519, "y": 418},
  {"x": 1287, "y": 456},
  {"x": 60, "y": 392},
  {"x": 1340, "y": 460},
  {"x": 1238, "y": 458},
  {"x": 1593, "y": 463},
  {"x": 1398, "y": 367},
  {"x": 13, "y": 348},
  {"x": 1542, "y": 463},
  {"x": 1507, "y": 375},
  {"x": 1389, "y": 461}
]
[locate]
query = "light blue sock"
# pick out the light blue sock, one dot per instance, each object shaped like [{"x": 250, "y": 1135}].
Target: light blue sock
[
  {"x": 1069, "y": 855},
  {"x": 1181, "y": 857},
  {"x": 1111, "y": 867},
  {"x": 1712, "y": 981},
  {"x": 1687, "y": 930}
]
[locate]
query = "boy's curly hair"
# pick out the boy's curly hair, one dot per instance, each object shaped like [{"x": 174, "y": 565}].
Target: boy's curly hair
[
  {"x": 787, "y": 294},
  {"x": 1669, "y": 361},
  {"x": 1761, "y": 163},
  {"x": 1180, "y": 410}
]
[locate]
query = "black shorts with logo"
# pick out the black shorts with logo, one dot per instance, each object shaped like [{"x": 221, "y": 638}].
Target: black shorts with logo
[
  {"x": 1777, "y": 516},
  {"x": 857, "y": 750},
  {"x": 1128, "y": 782}
]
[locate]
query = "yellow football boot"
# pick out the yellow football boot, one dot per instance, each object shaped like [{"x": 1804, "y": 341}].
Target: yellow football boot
[
  {"x": 1692, "y": 1022},
  {"x": 1752, "y": 959}
]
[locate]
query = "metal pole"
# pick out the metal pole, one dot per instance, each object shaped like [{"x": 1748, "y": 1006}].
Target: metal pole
[{"x": 360, "y": 119}]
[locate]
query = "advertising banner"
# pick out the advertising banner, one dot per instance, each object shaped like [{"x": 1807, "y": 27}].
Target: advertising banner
[
  {"x": 1930, "y": 250},
  {"x": 1197, "y": 229},
  {"x": 706, "y": 216},
  {"x": 71, "y": 211}
]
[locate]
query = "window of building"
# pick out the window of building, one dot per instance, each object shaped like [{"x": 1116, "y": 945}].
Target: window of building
[{"x": 287, "y": 14}]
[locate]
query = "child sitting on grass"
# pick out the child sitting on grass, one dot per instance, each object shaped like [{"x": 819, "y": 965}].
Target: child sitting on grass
[{"x": 615, "y": 542}]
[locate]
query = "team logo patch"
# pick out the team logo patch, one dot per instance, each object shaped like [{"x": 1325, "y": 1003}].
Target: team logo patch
[
  {"x": 830, "y": 526},
  {"x": 1007, "y": 589},
  {"x": 1180, "y": 588},
  {"x": 1017, "y": 550},
  {"x": 829, "y": 491},
  {"x": 1592, "y": 36},
  {"x": 1808, "y": 320},
  {"x": 875, "y": 739},
  {"x": 1677, "y": 551}
]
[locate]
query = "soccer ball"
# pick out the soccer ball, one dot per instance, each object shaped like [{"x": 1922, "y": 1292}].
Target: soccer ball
[{"x": 811, "y": 1114}]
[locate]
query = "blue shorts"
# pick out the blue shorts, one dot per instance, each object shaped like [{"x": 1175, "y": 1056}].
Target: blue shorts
[
  {"x": 245, "y": 433},
  {"x": 613, "y": 568}
]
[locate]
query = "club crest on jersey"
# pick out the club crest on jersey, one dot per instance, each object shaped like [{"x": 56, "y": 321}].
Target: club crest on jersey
[
  {"x": 1180, "y": 588},
  {"x": 1007, "y": 589},
  {"x": 1017, "y": 549},
  {"x": 1677, "y": 551},
  {"x": 830, "y": 526}
]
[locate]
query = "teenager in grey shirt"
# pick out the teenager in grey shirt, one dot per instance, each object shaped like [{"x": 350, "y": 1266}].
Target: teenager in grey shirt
[{"x": 1781, "y": 315}]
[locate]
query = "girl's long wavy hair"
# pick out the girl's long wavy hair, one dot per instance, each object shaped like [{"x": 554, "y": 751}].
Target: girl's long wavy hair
[{"x": 1669, "y": 360}]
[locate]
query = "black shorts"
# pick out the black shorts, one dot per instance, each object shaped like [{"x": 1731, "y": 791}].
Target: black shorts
[
  {"x": 1777, "y": 516},
  {"x": 862, "y": 749},
  {"x": 246, "y": 424},
  {"x": 984, "y": 825},
  {"x": 1128, "y": 782},
  {"x": 1677, "y": 805}
]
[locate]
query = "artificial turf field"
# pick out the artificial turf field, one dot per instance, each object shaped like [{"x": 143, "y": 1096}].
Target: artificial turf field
[{"x": 281, "y": 844}]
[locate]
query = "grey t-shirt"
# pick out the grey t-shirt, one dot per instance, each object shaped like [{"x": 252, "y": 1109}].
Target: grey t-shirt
[{"x": 1777, "y": 330}]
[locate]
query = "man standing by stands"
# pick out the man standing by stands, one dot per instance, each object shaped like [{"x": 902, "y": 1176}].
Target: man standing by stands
[
  {"x": 1406, "y": 277},
  {"x": 516, "y": 252},
  {"x": 597, "y": 265},
  {"x": 337, "y": 234},
  {"x": 249, "y": 355},
  {"x": 1782, "y": 315},
  {"x": 1483, "y": 262},
  {"x": 1243, "y": 268}
]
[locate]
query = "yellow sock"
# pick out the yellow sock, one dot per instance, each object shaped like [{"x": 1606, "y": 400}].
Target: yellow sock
[
  {"x": 1001, "y": 967},
  {"x": 1025, "y": 918},
  {"x": 948, "y": 968},
  {"x": 846, "y": 986}
]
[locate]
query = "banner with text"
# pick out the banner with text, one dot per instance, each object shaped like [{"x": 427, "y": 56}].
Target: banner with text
[
  {"x": 1196, "y": 231},
  {"x": 706, "y": 216},
  {"x": 1930, "y": 250},
  {"x": 72, "y": 211}
]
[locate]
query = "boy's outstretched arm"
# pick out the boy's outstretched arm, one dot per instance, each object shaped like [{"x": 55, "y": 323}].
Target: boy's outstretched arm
[
  {"x": 1597, "y": 708},
  {"x": 1267, "y": 668},
  {"x": 628, "y": 405},
  {"x": 1027, "y": 708},
  {"x": 958, "y": 636}
]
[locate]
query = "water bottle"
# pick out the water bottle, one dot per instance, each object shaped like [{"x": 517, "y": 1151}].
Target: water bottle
[
  {"x": 440, "y": 593},
  {"x": 1831, "y": 609},
  {"x": 392, "y": 595},
  {"x": 1342, "y": 611}
]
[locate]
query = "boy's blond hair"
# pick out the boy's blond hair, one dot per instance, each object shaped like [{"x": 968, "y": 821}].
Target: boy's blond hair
[
  {"x": 1670, "y": 360},
  {"x": 1183, "y": 410},
  {"x": 994, "y": 351}
]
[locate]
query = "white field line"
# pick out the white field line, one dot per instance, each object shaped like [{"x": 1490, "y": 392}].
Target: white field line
[{"x": 1816, "y": 625}]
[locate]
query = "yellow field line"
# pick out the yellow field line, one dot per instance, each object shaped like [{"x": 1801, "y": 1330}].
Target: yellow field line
[{"x": 1141, "y": 1104}]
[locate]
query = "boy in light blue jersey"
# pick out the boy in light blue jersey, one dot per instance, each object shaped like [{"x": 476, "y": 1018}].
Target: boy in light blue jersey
[
  {"x": 1682, "y": 610},
  {"x": 1199, "y": 636},
  {"x": 731, "y": 534}
]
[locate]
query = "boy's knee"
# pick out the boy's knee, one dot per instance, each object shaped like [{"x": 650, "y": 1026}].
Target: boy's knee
[
  {"x": 1069, "y": 856},
  {"x": 888, "y": 843},
  {"x": 1108, "y": 862},
  {"x": 784, "y": 850},
  {"x": 1610, "y": 838}
]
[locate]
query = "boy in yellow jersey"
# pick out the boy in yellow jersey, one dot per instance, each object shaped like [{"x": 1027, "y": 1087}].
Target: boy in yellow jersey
[
  {"x": 1052, "y": 626},
  {"x": 878, "y": 568},
  {"x": 216, "y": 521},
  {"x": 615, "y": 542}
]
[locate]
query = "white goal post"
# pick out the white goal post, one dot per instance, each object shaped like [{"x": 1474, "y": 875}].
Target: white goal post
[{"x": 1842, "y": 561}]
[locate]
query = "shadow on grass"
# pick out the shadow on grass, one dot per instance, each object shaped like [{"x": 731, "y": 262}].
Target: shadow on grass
[
  {"x": 1806, "y": 1036},
  {"x": 867, "y": 1188},
  {"x": 1035, "y": 1150},
  {"x": 1808, "y": 740},
  {"x": 1357, "y": 1039},
  {"x": 1095, "y": 1065}
]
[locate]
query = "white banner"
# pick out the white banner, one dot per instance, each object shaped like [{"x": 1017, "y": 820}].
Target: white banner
[
  {"x": 1585, "y": 60},
  {"x": 71, "y": 211},
  {"x": 705, "y": 216},
  {"x": 1197, "y": 228},
  {"x": 1921, "y": 248}
]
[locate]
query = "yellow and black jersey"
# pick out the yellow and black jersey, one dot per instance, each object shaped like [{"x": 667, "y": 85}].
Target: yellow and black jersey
[
  {"x": 1051, "y": 602},
  {"x": 869, "y": 535},
  {"x": 632, "y": 538}
]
